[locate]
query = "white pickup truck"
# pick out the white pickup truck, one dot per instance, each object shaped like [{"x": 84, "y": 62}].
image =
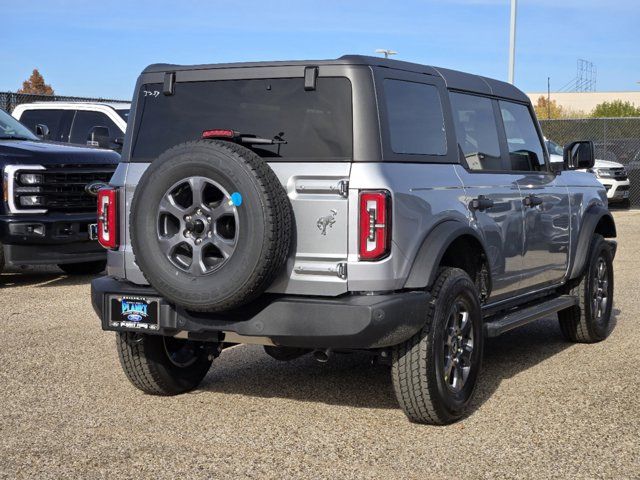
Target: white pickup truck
[
  {"x": 82, "y": 123},
  {"x": 612, "y": 175}
]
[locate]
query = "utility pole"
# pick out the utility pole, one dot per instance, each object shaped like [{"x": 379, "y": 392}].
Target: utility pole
[
  {"x": 512, "y": 40},
  {"x": 549, "y": 98}
]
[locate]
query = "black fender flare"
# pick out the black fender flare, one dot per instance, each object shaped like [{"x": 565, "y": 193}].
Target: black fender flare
[
  {"x": 590, "y": 220},
  {"x": 425, "y": 266}
]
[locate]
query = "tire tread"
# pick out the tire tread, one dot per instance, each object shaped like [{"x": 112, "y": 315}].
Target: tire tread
[
  {"x": 417, "y": 396},
  {"x": 573, "y": 321},
  {"x": 278, "y": 229}
]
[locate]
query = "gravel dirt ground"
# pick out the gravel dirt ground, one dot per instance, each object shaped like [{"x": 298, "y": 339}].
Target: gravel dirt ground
[{"x": 544, "y": 408}]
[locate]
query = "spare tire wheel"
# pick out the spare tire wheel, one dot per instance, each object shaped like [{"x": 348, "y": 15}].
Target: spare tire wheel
[{"x": 210, "y": 225}]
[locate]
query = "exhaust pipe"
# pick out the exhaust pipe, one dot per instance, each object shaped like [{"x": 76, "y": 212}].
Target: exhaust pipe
[{"x": 322, "y": 356}]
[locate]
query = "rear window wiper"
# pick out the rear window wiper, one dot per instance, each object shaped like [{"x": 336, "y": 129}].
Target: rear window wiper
[
  {"x": 245, "y": 138},
  {"x": 254, "y": 140}
]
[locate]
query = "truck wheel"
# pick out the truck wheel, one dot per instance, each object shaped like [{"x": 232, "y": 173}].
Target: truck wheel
[
  {"x": 435, "y": 372},
  {"x": 210, "y": 225},
  {"x": 590, "y": 320},
  {"x": 86, "y": 268},
  {"x": 160, "y": 365}
]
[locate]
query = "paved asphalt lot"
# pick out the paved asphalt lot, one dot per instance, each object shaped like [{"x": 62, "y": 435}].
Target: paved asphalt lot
[{"x": 545, "y": 408}]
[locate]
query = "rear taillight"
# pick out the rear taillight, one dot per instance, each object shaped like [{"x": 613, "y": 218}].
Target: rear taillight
[
  {"x": 108, "y": 218},
  {"x": 375, "y": 225}
]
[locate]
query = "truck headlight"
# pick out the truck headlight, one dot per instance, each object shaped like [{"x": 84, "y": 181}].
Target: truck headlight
[
  {"x": 603, "y": 173},
  {"x": 31, "y": 201},
  {"x": 20, "y": 192},
  {"x": 30, "y": 178}
]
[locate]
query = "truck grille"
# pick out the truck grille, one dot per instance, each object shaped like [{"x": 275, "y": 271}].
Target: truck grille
[
  {"x": 618, "y": 173},
  {"x": 63, "y": 186}
]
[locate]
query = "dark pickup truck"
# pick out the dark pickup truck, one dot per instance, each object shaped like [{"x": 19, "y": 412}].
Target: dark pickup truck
[{"x": 48, "y": 207}]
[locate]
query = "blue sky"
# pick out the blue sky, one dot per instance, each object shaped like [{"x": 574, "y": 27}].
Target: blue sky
[{"x": 98, "y": 48}]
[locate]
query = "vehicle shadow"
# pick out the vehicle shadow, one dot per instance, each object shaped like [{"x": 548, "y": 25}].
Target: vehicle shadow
[
  {"x": 49, "y": 277},
  {"x": 351, "y": 380}
]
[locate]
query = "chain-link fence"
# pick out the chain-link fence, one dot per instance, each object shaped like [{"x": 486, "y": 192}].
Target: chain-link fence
[
  {"x": 615, "y": 139},
  {"x": 9, "y": 100}
]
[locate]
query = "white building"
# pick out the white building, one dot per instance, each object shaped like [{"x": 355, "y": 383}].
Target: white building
[{"x": 586, "y": 101}]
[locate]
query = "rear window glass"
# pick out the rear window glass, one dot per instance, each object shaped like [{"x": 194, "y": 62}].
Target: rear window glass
[
  {"x": 414, "y": 115},
  {"x": 316, "y": 124},
  {"x": 124, "y": 113}
]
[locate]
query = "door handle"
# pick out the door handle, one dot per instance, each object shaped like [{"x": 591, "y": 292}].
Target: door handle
[
  {"x": 532, "y": 201},
  {"x": 481, "y": 203}
]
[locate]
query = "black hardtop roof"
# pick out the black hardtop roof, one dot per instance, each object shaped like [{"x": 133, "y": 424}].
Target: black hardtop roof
[{"x": 453, "y": 79}]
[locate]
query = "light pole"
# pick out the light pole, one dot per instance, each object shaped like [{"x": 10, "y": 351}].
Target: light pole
[
  {"x": 512, "y": 40},
  {"x": 386, "y": 52}
]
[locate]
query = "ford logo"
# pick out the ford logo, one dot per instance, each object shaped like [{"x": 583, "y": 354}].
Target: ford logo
[
  {"x": 93, "y": 187},
  {"x": 134, "y": 317}
]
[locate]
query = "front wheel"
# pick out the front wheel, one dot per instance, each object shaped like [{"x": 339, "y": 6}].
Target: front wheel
[
  {"x": 590, "y": 320},
  {"x": 160, "y": 365},
  {"x": 435, "y": 372}
]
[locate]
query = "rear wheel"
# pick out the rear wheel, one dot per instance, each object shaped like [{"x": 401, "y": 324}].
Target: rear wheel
[
  {"x": 435, "y": 372},
  {"x": 590, "y": 320},
  {"x": 86, "y": 268},
  {"x": 160, "y": 365}
]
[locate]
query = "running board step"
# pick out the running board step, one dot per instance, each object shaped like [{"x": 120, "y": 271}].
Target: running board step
[{"x": 503, "y": 323}]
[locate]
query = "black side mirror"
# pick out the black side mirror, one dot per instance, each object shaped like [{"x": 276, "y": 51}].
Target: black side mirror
[
  {"x": 42, "y": 131},
  {"x": 99, "y": 137},
  {"x": 579, "y": 155}
]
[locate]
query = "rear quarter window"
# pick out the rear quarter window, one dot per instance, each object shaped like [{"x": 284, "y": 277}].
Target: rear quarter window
[
  {"x": 415, "y": 118},
  {"x": 317, "y": 124}
]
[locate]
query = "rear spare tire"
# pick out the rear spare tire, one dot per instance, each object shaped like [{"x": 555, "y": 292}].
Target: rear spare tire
[{"x": 210, "y": 225}]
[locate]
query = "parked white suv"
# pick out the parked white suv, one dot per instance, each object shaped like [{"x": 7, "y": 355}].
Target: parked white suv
[
  {"x": 612, "y": 175},
  {"x": 96, "y": 124}
]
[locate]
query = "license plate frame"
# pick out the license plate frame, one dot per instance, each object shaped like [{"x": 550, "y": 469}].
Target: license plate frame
[{"x": 138, "y": 313}]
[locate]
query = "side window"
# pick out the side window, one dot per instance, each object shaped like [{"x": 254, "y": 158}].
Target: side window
[
  {"x": 50, "y": 118},
  {"x": 525, "y": 149},
  {"x": 414, "y": 114},
  {"x": 477, "y": 131},
  {"x": 84, "y": 122}
]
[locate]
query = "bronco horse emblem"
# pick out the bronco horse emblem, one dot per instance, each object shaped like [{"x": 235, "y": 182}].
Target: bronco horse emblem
[{"x": 326, "y": 221}]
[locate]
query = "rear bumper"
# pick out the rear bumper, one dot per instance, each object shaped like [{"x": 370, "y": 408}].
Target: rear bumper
[{"x": 352, "y": 321}]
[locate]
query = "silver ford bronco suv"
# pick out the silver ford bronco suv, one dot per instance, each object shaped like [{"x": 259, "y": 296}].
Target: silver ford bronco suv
[{"x": 345, "y": 205}]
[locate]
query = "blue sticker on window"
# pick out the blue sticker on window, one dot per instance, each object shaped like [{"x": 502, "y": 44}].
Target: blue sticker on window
[{"x": 236, "y": 199}]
